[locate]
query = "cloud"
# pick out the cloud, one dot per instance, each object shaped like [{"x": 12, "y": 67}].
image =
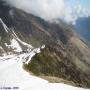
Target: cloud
[
  {"x": 76, "y": 12},
  {"x": 47, "y": 9},
  {"x": 51, "y": 9}
]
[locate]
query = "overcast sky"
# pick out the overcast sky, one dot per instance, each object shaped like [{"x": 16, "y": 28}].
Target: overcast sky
[{"x": 70, "y": 10}]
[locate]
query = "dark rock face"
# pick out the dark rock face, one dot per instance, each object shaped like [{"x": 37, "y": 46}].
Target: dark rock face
[{"x": 4, "y": 12}]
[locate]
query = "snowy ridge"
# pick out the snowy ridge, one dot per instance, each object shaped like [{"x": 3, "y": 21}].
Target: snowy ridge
[
  {"x": 32, "y": 53},
  {"x": 13, "y": 75},
  {"x": 1, "y": 48}
]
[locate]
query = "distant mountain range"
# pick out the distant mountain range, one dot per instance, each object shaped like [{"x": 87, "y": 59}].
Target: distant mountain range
[{"x": 83, "y": 27}]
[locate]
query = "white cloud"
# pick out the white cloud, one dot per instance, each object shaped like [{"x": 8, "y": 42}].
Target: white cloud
[
  {"x": 47, "y": 9},
  {"x": 51, "y": 9},
  {"x": 74, "y": 13}
]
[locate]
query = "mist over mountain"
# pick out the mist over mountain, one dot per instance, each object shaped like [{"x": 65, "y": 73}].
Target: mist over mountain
[
  {"x": 50, "y": 10},
  {"x": 40, "y": 8}
]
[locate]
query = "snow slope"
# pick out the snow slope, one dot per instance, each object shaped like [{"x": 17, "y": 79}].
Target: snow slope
[
  {"x": 12, "y": 76},
  {"x": 14, "y": 45}
]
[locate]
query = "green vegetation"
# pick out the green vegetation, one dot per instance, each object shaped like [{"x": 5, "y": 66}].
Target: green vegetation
[{"x": 52, "y": 63}]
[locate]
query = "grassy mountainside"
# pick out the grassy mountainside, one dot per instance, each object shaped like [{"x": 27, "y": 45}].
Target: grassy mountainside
[{"x": 50, "y": 63}]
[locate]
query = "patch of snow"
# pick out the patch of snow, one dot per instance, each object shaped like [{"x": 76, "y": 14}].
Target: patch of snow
[
  {"x": 8, "y": 46},
  {"x": 16, "y": 37},
  {"x": 43, "y": 46},
  {"x": 32, "y": 53},
  {"x": 1, "y": 48},
  {"x": 37, "y": 50},
  {"x": 5, "y": 27},
  {"x": 6, "y": 57},
  {"x": 14, "y": 45}
]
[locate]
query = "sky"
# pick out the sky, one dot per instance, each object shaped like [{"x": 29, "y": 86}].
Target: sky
[
  {"x": 84, "y": 3},
  {"x": 79, "y": 9},
  {"x": 69, "y": 10}
]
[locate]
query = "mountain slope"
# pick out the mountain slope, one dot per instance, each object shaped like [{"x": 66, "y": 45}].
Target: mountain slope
[
  {"x": 28, "y": 30},
  {"x": 10, "y": 43},
  {"x": 38, "y": 32},
  {"x": 53, "y": 66}
]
